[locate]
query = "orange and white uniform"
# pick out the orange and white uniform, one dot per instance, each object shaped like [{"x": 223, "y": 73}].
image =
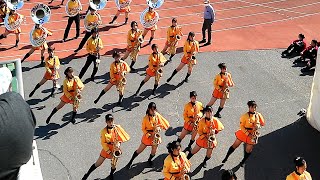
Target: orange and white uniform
[
  {"x": 108, "y": 137},
  {"x": 95, "y": 18},
  {"x": 294, "y": 176},
  {"x": 149, "y": 123},
  {"x": 73, "y": 5},
  {"x": 132, "y": 39},
  {"x": 204, "y": 131},
  {"x": 148, "y": 17},
  {"x": 38, "y": 33},
  {"x": 116, "y": 68},
  {"x": 70, "y": 87},
  {"x": 190, "y": 113},
  {"x": 154, "y": 62},
  {"x": 51, "y": 64},
  {"x": 13, "y": 18},
  {"x": 93, "y": 44},
  {"x": 172, "y": 166},
  {"x": 126, "y": 8},
  {"x": 172, "y": 32},
  {"x": 219, "y": 82},
  {"x": 190, "y": 48},
  {"x": 247, "y": 126}
]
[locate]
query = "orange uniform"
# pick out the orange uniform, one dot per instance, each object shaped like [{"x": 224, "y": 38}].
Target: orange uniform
[
  {"x": 70, "y": 87},
  {"x": 116, "y": 69},
  {"x": 190, "y": 114},
  {"x": 12, "y": 19},
  {"x": 95, "y": 18},
  {"x": 219, "y": 82},
  {"x": 132, "y": 38},
  {"x": 124, "y": 6},
  {"x": 148, "y": 17},
  {"x": 190, "y": 48},
  {"x": 149, "y": 123},
  {"x": 247, "y": 126},
  {"x": 204, "y": 131},
  {"x": 172, "y": 32},
  {"x": 294, "y": 176},
  {"x": 154, "y": 62},
  {"x": 109, "y": 136},
  {"x": 52, "y": 65},
  {"x": 38, "y": 33},
  {"x": 93, "y": 44},
  {"x": 172, "y": 166}
]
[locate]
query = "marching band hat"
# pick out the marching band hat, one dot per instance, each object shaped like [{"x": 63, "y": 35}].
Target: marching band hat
[
  {"x": 206, "y": 2},
  {"x": 193, "y": 93},
  {"x": 207, "y": 109},
  {"x": 152, "y": 105},
  {"x": 109, "y": 117}
]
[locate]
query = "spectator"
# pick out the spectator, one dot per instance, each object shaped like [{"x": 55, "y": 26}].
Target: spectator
[{"x": 295, "y": 48}]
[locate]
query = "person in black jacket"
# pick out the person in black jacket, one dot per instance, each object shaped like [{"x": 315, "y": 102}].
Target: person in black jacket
[{"x": 295, "y": 48}]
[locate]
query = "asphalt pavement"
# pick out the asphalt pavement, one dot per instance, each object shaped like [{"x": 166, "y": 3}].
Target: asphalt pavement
[{"x": 67, "y": 151}]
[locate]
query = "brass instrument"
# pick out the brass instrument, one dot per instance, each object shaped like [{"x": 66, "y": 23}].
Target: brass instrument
[
  {"x": 136, "y": 48},
  {"x": 211, "y": 136},
  {"x": 256, "y": 134},
  {"x": 15, "y": 25},
  {"x": 156, "y": 133},
  {"x": 98, "y": 49},
  {"x": 148, "y": 23},
  {"x": 54, "y": 73},
  {"x": 195, "y": 118},
  {"x": 14, "y": 4},
  {"x": 71, "y": 12},
  {"x": 155, "y": 3},
  {"x": 116, "y": 148},
  {"x": 159, "y": 71},
  {"x": 77, "y": 96},
  {"x": 123, "y": 80},
  {"x": 192, "y": 58},
  {"x": 185, "y": 170},
  {"x": 172, "y": 48},
  {"x": 37, "y": 42},
  {"x": 89, "y": 26},
  {"x": 225, "y": 89},
  {"x": 123, "y": 4},
  {"x": 97, "y": 4}
]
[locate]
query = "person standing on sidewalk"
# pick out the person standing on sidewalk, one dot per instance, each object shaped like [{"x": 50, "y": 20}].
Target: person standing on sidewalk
[{"x": 208, "y": 19}]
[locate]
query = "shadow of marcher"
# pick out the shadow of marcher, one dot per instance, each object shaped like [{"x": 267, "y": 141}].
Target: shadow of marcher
[
  {"x": 309, "y": 72},
  {"x": 138, "y": 168},
  {"x": 132, "y": 102},
  {"x": 46, "y": 132},
  {"x": 88, "y": 116},
  {"x": 173, "y": 131},
  {"x": 165, "y": 89},
  {"x": 108, "y": 27},
  {"x": 37, "y": 101},
  {"x": 66, "y": 60},
  {"x": 110, "y": 52},
  {"x": 214, "y": 173},
  {"x": 102, "y": 79},
  {"x": 5, "y": 49},
  {"x": 272, "y": 157},
  {"x": 25, "y": 69},
  {"x": 54, "y": 7}
]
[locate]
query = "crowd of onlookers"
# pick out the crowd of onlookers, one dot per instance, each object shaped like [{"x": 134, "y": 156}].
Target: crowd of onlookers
[{"x": 307, "y": 55}]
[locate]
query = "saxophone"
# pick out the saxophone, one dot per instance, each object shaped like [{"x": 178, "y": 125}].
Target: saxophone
[
  {"x": 159, "y": 71},
  {"x": 256, "y": 134},
  {"x": 54, "y": 73},
  {"x": 172, "y": 48},
  {"x": 211, "y": 136},
  {"x": 156, "y": 132},
  {"x": 185, "y": 170},
  {"x": 123, "y": 80},
  {"x": 192, "y": 58},
  {"x": 196, "y": 119},
  {"x": 225, "y": 89},
  {"x": 136, "y": 47},
  {"x": 116, "y": 148},
  {"x": 77, "y": 96}
]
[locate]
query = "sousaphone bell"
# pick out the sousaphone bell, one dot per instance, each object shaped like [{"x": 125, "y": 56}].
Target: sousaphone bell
[
  {"x": 97, "y": 4},
  {"x": 155, "y": 3},
  {"x": 14, "y": 4},
  {"x": 40, "y": 14}
]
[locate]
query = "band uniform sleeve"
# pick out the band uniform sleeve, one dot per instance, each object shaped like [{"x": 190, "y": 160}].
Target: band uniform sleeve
[
  {"x": 144, "y": 125},
  {"x": 168, "y": 34},
  {"x": 65, "y": 89},
  {"x": 99, "y": 20},
  {"x": 162, "y": 59},
  {"x": 243, "y": 120},
  {"x": 196, "y": 48},
  {"x": 47, "y": 65},
  {"x": 200, "y": 108},
  {"x": 186, "y": 48},
  {"x": 261, "y": 119},
  {"x": 127, "y": 67},
  {"x": 103, "y": 140},
  {"x": 129, "y": 39},
  {"x": 216, "y": 82},
  {"x": 123, "y": 135},
  {"x": 164, "y": 123},
  {"x": 88, "y": 47},
  {"x": 100, "y": 43},
  {"x": 48, "y": 31},
  {"x": 201, "y": 125},
  {"x": 166, "y": 168},
  {"x": 57, "y": 62},
  {"x": 186, "y": 160},
  {"x": 185, "y": 113},
  {"x": 230, "y": 80},
  {"x": 219, "y": 125},
  {"x": 112, "y": 67}
]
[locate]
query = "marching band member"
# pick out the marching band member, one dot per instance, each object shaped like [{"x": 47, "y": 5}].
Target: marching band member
[
  {"x": 301, "y": 170},
  {"x": 118, "y": 70},
  {"x": 176, "y": 165},
  {"x": 52, "y": 64},
  {"x": 124, "y": 10},
  {"x": 4, "y": 10},
  {"x": 94, "y": 44},
  {"x": 296, "y": 47},
  {"x": 72, "y": 87},
  {"x": 151, "y": 125},
  {"x": 73, "y": 5},
  {"x": 92, "y": 18},
  {"x": 111, "y": 138},
  {"x": 191, "y": 115},
  {"x": 248, "y": 133},
  {"x": 174, "y": 34},
  {"x": 155, "y": 69},
  {"x": 134, "y": 40},
  {"x": 150, "y": 15},
  {"x": 222, "y": 82},
  {"x": 13, "y": 17},
  {"x": 190, "y": 48},
  {"x": 37, "y": 33},
  {"x": 208, "y": 127}
]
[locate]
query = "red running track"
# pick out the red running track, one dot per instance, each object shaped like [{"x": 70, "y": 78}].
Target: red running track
[{"x": 239, "y": 25}]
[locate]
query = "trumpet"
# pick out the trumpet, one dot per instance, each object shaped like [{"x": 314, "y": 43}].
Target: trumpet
[{"x": 156, "y": 136}]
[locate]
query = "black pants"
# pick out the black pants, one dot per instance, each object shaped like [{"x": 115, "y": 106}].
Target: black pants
[
  {"x": 76, "y": 19},
  {"x": 90, "y": 59},
  {"x": 207, "y": 26},
  {"x": 84, "y": 40},
  {"x": 294, "y": 48}
]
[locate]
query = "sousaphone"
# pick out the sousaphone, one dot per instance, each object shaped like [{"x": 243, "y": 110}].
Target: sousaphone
[
  {"x": 74, "y": 11},
  {"x": 152, "y": 22},
  {"x": 155, "y": 3},
  {"x": 97, "y": 4},
  {"x": 122, "y": 3},
  {"x": 14, "y": 4},
  {"x": 40, "y": 14}
]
